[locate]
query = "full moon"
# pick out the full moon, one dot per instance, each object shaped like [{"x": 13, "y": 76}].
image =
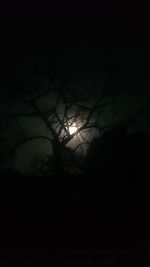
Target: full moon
[{"x": 72, "y": 129}]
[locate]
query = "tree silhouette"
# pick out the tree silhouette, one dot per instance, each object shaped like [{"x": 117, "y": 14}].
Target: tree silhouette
[
  {"x": 60, "y": 107},
  {"x": 119, "y": 159},
  {"x": 68, "y": 110},
  {"x": 117, "y": 168}
]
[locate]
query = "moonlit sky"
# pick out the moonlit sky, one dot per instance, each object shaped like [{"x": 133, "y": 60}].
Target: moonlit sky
[{"x": 71, "y": 44}]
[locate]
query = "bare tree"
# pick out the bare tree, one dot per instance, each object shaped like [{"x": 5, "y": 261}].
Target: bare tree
[
  {"x": 60, "y": 107},
  {"x": 67, "y": 109}
]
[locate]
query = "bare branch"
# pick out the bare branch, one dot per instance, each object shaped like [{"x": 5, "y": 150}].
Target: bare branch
[
  {"x": 82, "y": 106},
  {"x": 29, "y": 139},
  {"x": 46, "y": 122}
]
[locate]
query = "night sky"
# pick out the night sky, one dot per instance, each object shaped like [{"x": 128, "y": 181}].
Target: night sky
[{"x": 95, "y": 41}]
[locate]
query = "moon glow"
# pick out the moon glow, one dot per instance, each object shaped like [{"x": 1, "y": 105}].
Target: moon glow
[{"x": 72, "y": 129}]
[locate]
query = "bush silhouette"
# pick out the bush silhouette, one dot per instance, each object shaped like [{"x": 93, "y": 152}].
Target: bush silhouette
[
  {"x": 118, "y": 153},
  {"x": 118, "y": 167}
]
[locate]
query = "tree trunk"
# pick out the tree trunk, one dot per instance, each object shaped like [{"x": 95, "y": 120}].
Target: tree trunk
[{"x": 58, "y": 165}]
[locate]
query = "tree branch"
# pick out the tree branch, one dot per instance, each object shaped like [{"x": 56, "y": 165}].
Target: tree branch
[{"x": 29, "y": 139}]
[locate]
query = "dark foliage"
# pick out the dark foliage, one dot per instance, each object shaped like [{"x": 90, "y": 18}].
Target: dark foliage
[
  {"x": 119, "y": 154},
  {"x": 118, "y": 169}
]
